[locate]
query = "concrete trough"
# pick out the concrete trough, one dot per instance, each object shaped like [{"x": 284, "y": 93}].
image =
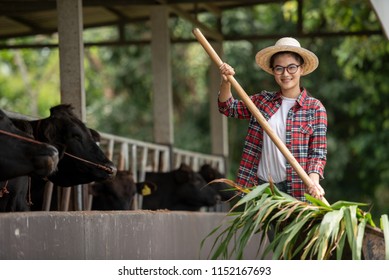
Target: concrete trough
[{"x": 113, "y": 235}]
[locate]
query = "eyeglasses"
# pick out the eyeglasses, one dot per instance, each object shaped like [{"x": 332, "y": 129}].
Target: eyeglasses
[{"x": 291, "y": 68}]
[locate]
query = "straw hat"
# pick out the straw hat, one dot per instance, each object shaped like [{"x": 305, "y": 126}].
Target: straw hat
[{"x": 287, "y": 44}]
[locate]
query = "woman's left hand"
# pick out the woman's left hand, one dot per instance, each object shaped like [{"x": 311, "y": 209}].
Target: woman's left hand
[{"x": 315, "y": 189}]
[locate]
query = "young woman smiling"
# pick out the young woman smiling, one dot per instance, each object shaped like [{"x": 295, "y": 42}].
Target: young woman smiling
[{"x": 297, "y": 118}]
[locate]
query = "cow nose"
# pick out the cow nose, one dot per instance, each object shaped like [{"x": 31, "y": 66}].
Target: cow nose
[
  {"x": 47, "y": 149},
  {"x": 52, "y": 152}
]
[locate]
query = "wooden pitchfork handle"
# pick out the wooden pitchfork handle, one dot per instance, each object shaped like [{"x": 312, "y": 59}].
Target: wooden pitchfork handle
[{"x": 257, "y": 114}]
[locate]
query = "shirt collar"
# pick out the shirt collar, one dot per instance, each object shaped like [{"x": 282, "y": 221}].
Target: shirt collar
[
  {"x": 300, "y": 99},
  {"x": 277, "y": 96}
]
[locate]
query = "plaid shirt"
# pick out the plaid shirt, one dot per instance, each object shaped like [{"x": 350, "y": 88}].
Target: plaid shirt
[{"x": 306, "y": 129}]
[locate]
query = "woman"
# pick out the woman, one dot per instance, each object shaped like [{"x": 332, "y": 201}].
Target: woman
[{"x": 298, "y": 119}]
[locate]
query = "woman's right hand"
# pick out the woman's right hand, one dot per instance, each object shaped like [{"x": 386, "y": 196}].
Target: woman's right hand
[{"x": 226, "y": 70}]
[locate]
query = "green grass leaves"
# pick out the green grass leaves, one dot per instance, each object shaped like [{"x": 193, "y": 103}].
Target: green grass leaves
[{"x": 292, "y": 229}]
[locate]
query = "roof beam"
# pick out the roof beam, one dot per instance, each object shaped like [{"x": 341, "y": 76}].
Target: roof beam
[
  {"x": 13, "y": 7},
  {"x": 185, "y": 15},
  {"x": 206, "y": 30},
  {"x": 212, "y": 9},
  {"x": 232, "y": 38},
  {"x": 27, "y": 23}
]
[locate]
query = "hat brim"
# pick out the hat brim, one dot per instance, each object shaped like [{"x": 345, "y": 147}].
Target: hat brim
[{"x": 262, "y": 58}]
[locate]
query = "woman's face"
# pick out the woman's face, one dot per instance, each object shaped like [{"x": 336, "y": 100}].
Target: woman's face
[{"x": 289, "y": 83}]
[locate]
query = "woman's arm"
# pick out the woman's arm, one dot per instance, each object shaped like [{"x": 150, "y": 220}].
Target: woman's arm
[{"x": 225, "y": 85}]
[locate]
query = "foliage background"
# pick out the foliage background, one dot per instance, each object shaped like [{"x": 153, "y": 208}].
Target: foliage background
[{"x": 351, "y": 81}]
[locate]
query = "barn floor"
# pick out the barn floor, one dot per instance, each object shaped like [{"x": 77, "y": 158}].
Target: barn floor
[{"x": 114, "y": 235}]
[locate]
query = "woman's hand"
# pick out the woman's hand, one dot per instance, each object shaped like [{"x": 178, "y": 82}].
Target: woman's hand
[
  {"x": 226, "y": 70},
  {"x": 315, "y": 189}
]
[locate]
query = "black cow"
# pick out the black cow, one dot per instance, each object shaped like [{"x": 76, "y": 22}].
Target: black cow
[
  {"x": 210, "y": 174},
  {"x": 118, "y": 193},
  {"x": 180, "y": 189},
  {"x": 21, "y": 155},
  {"x": 82, "y": 162}
]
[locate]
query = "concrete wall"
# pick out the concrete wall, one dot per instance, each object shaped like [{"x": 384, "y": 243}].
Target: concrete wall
[{"x": 112, "y": 235}]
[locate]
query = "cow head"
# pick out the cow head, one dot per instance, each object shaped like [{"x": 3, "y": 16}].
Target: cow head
[
  {"x": 180, "y": 189},
  {"x": 192, "y": 190},
  {"x": 83, "y": 161},
  {"x": 210, "y": 174},
  {"x": 118, "y": 193},
  {"x": 21, "y": 155}
]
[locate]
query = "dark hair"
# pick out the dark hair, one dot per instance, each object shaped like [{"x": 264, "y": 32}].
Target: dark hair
[{"x": 295, "y": 56}]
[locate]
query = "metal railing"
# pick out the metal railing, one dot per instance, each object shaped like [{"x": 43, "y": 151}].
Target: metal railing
[
  {"x": 137, "y": 156},
  {"x": 141, "y": 157},
  {"x": 196, "y": 160}
]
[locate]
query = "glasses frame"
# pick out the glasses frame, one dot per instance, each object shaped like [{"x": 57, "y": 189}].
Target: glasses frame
[{"x": 285, "y": 68}]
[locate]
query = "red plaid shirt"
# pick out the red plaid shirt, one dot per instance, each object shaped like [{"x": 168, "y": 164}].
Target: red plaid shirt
[{"x": 306, "y": 129}]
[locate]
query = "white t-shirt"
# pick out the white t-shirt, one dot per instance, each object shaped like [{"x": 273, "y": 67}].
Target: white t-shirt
[{"x": 273, "y": 162}]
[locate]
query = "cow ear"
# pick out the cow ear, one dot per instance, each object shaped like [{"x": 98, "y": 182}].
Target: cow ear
[
  {"x": 185, "y": 167},
  {"x": 146, "y": 188},
  {"x": 182, "y": 174},
  {"x": 62, "y": 110}
]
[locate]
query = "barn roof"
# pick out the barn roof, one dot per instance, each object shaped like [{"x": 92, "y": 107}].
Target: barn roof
[
  {"x": 32, "y": 17},
  {"x": 20, "y": 18}
]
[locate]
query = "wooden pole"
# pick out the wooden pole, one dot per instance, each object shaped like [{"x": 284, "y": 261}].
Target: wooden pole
[{"x": 257, "y": 114}]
